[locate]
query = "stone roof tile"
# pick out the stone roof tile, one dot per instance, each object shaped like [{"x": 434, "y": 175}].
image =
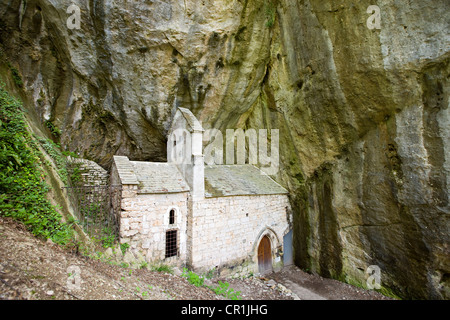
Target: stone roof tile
[
  {"x": 159, "y": 177},
  {"x": 125, "y": 170},
  {"x": 231, "y": 180}
]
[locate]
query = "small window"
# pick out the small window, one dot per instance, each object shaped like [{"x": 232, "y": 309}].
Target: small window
[
  {"x": 171, "y": 243},
  {"x": 172, "y": 216}
]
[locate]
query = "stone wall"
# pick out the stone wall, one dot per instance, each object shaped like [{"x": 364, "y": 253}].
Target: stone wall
[
  {"x": 145, "y": 220},
  {"x": 91, "y": 173},
  {"x": 225, "y": 232},
  {"x": 222, "y": 233}
]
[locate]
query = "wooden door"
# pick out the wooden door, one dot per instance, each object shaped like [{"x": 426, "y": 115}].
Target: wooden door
[{"x": 264, "y": 256}]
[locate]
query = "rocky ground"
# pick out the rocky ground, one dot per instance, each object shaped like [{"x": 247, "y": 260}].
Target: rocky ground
[
  {"x": 305, "y": 286},
  {"x": 32, "y": 269}
]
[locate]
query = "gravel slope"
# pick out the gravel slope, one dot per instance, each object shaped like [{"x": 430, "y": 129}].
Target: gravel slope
[{"x": 32, "y": 269}]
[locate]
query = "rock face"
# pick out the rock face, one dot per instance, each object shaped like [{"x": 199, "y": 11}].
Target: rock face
[{"x": 363, "y": 113}]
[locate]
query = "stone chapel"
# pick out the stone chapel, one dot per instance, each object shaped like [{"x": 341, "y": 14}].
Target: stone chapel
[{"x": 231, "y": 218}]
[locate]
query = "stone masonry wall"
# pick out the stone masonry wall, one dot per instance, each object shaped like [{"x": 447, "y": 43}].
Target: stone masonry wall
[
  {"x": 145, "y": 220},
  {"x": 91, "y": 173},
  {"x": 225, "y": 232}
]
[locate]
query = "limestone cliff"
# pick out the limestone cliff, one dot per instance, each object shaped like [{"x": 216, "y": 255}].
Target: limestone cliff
[{"x": 363, "y": 113}]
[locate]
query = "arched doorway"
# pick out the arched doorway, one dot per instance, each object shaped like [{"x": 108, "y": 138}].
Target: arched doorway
[{"x": 264, "y": 256}]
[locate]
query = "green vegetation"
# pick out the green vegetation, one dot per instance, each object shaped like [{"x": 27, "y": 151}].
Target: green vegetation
[
  {"x": 362, "y": 285},
  {"x": 23, "y": 191},
  {"x": 388, "y": 293},
  {"x": 124, "y": 247},
  {"x": 15, "y": 75},
  {"x": 54, "y": 151},
  {"x": 53, "y": 129},
  {"x": 75, "y": 173},
  {"x": 222, "y": 289},
  {"x": 107, "y": 239},
  {"x": 91, "y": 211},
  {"x": 162, "y": 268},
  {"x": 210, "y": 273},
  {"x": 193, "y": 278},
  {"x": 270, "y": 14}
]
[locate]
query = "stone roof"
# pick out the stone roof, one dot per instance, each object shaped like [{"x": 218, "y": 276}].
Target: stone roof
[
  {"x": 232, "y": 180},
  {"x": 220, "y": 180},
  {"x": 125, "y": 170},
  {"x": 191, "y": 119},
  {"x": 159, "y": 177},
  {"x": 151, "y": 177}
]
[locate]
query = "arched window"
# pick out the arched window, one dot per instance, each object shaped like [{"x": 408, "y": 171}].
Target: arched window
[{"x": 172, "y": 216}]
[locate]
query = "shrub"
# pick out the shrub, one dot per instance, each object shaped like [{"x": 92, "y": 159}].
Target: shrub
[
  {"x": 224, "y": 290},
  {"x": 23, "y": 191},
  {"x": 124, "y": 247},
  {"x": 15, "y": 75},
  {"x": 162, "y": 268},
  {"x": 193, "y": 278},
  {"x": 53, "y": 129},
  {"x": 54, "y": 151}
]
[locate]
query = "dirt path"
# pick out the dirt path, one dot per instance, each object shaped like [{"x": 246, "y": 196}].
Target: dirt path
[
  {"x": 32, "y": 269},
  {"x": 312, "y": 287}
]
